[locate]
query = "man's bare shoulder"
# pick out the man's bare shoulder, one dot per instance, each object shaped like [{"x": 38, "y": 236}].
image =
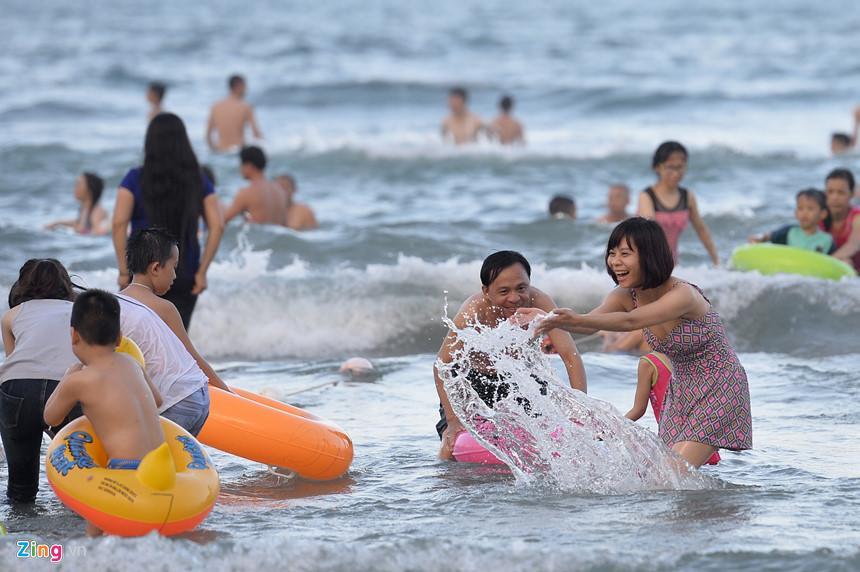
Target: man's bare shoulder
[{"x": 541, "y": 299}]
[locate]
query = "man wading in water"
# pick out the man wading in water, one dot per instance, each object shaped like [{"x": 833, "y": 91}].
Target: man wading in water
[{"x": 505, "y": 276}]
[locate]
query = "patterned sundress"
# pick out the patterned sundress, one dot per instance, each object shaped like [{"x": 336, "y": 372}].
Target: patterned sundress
[{"x": 708, "y": 400}]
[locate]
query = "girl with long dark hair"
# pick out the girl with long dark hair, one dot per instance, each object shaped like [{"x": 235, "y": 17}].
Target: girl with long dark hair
[{"x": 169, "y": 191}]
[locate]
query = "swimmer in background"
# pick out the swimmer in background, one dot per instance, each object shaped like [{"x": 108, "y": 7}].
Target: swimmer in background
[
  {"x": 263, "y": 201},
  {"x": 617, "y": 199},
  {"x": 562, "y": 207},
  {"x": 299, "y": 215},
  {"x": 625, "y": 342},
  {"x": 461, "y": 126},
  {"x": 672, "y": 206},
  {"x": 92, "y": 218},
  {"x": 811, "y": 211},
  {"x": 155, "y": 95},
  {"x": 840, "y": 143},
  {"x": 229, "y": 117},
  {"x": 506, "y": 129},
  {"x": 506, "y": 280},
  {"x": 114, "y": 392}
]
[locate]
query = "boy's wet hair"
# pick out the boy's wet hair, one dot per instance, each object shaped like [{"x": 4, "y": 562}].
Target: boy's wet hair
[
  {"x": 235, "y": 80},
  {"x": 841, "y": 138},
  {"x": 460, "y": 92},
  {"x": 42, "y": 279},
  {"x": 95, "y": 316},
  {"x": 495, "y": 263},
  {"x": 819, "y": 197},
  {"x": 254, "y": 156},
  {"x": 647, "y": 238},
  {"x": 159, "y": 89},
  {"x": 562, "y": 205},
  {"x": 95, "y": 185},
  {"x": 843, "y": 174},
  {"x": 209, "y": 174},
  {"x": 146, "y": 246},
  {"x": 506, "y": 103},
  {"x": 665, "y": 150}
]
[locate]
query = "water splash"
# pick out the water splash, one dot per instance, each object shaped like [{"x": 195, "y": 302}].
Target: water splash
[{"x": 548, "y": 433}]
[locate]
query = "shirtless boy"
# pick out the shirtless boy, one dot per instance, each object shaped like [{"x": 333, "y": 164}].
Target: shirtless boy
[
  {"x": 462, "y": 126},
  {"x": 505, "y": 128},
  {"x": 114, "y": 392},
  {"x": 229, "y": 118},
  {"x": 264, "y": 201},
  {"x": 299, "y": 215},
  {"x": 617, "y": 200},
  {"x": 505, "y": 276}
]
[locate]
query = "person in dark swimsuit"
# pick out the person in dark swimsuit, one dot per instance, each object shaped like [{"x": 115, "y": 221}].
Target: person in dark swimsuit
[{"x": 505, "y": 276}]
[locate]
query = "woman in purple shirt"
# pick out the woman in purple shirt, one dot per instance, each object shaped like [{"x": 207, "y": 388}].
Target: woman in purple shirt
[{"x": 169, "y": 191}]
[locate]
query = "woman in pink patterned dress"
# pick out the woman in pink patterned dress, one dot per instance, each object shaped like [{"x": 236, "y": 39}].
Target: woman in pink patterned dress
[{"x": 708, "y": 403}]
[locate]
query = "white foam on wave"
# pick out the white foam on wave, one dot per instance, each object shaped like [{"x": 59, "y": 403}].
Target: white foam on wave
[{"x": 256, "y": 310}]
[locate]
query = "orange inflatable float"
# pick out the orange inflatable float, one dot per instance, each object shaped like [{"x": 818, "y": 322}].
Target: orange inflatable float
[{"x": 267, "y": 431}]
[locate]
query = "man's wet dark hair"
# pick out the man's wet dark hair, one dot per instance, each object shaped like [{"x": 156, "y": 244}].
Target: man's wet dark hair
[
  {"x": 95, "y": 316},
  {"x": 159, "y": 89},
  {"x": 843, "y": 174},
  {"x": 495, "y": 263},
  {"x": 235, "y": 81},
  {"x": 649, "y": 241},
  {"x": 562, "y": 205},
  {"x": 459, "y": 92},
  {"x": 42, "y": 279},
  {"x": 665, "y": 150},
  {"x": 506, "y": 103},
  {"x": 146, "y": 246},
  {"x": 842, "y": 138},
  {"x": 254, "y": 156}
]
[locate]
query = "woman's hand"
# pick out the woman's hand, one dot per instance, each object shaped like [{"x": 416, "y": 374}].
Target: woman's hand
[
  {"x": 558, "y": 319},
  {"x": 123, "y": 280},
  {"x": 200, "y": 283}
]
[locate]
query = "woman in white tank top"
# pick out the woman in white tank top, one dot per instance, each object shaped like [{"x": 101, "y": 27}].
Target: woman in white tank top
[{"x": 38, "y": 347}]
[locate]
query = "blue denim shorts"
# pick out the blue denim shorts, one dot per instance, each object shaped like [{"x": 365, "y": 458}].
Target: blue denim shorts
[{"x": 192, "y": 412}]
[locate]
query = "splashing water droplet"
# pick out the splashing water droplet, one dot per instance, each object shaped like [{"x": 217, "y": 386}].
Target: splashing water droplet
[{"x": 548, "y": 433}]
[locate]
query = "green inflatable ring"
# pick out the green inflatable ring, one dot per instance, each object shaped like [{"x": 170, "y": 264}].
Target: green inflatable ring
[{"x": 768, "y": 259}]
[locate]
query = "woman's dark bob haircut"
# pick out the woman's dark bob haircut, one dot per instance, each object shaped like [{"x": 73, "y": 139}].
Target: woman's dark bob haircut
[{"x": 649, "y": 241}]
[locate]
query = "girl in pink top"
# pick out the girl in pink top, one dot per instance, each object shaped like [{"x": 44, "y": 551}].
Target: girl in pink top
[{"x": 670, "y": 204}]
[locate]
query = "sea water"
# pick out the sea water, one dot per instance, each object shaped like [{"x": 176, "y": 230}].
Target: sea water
[{"x": 349, "y": 96}]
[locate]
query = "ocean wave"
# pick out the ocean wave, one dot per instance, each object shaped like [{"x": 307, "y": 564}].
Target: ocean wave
[{"x": 255, "y": 311}]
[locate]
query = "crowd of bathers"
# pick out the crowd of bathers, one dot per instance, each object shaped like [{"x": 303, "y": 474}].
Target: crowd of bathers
[{"x": 162, "y": 269}]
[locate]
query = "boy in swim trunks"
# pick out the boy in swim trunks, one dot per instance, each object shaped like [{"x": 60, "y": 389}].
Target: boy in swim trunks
[
  {"x": 811, "y": 211},
  {"x": 113, "y": 390}
]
